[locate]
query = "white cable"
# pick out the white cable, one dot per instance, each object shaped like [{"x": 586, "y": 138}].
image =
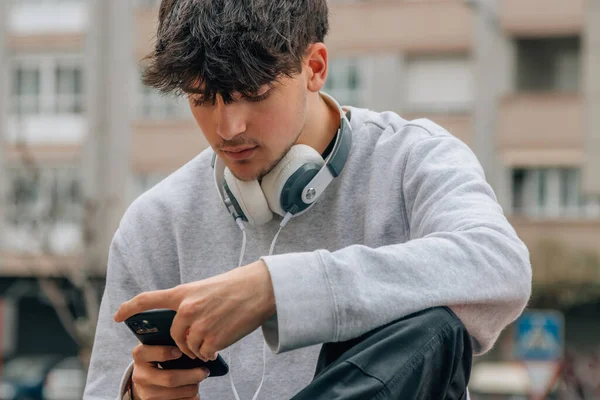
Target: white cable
[
  {"x": 274, "y": 240},
  {"x": 240, "y": 223},
  {"x": 235, "y": 393},
  {"x": 264, "y": 370},
  {"x": 286, "y": 219},
  {"x": 282, "y": 225},
  {"x": 241, "y": 260}
]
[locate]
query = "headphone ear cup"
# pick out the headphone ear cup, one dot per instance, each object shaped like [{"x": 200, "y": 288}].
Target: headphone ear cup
[
  {"x": 250, "y": 198},
  {"x": 276, "y": 180}
]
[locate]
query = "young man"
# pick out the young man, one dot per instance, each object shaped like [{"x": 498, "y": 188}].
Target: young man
[{"x": 402, "y": 254}]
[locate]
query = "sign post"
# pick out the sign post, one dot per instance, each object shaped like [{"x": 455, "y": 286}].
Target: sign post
[{"x": 539, "y": 344}]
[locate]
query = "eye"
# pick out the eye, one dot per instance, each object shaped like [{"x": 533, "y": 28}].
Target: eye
[{"x": 259, "y": 98}]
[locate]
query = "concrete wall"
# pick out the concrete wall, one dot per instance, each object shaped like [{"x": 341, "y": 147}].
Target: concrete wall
[
  {"x": 535, "y": 18},
  {"x": 591, "y": 172},
  {"x": 107, "y": 150},
  {"x": 3, "y": 109}
]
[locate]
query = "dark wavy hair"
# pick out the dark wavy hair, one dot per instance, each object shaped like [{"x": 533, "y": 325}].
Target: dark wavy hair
[{"x": 223, "y": 47}]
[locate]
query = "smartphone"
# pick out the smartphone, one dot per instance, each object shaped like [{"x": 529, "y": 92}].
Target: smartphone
[{"x": 154, "y": 328}]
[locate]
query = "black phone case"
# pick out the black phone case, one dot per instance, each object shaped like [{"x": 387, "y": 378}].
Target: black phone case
[{"x": 162, "y": 320}]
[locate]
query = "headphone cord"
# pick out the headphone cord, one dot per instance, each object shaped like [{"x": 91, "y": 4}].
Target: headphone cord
[{"x": 240, "y": 223}]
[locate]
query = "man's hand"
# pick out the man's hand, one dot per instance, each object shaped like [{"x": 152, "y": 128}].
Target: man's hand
[
  {"x": 214, "y": 313},
  {"x": 151, "y": 383}
]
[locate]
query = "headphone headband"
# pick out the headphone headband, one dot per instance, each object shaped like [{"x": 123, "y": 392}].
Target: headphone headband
[{"x": 335, "y": 161}]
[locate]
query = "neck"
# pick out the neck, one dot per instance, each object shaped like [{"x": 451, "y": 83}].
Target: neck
[{"x": 322, "y": 123}]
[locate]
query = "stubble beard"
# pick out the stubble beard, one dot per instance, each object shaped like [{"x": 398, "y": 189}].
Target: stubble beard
[{"x": 263, "y": 172}]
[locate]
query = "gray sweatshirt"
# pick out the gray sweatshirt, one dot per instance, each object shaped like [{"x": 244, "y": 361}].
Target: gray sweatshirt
[{"x": 409, "y": 224}]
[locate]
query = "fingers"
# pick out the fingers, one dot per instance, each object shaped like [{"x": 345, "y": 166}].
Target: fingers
[
  {"x": 146, "y": 301},
  {"x": 200, "y": 345},
  {"x": 149, "y": 354},
  {"x": 147, "y": 376},
  {"x": 192, "y": 339},
  {"x": 153, "y": 392},
  {"x": 206, "y": 353},
  {"x": 195, "y": 343},
  {"x": 179, "y": 332}
]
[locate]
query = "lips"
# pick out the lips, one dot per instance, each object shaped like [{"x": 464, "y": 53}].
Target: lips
[
  {"x": 239, "y": 153},
  {"x": 238, "y": 149}
]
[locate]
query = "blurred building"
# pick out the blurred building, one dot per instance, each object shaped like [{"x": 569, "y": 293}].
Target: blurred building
[{"x": 516, "y": 80}]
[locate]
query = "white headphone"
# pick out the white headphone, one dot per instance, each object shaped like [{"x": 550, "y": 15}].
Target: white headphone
[{"x": 292, "y": 186}]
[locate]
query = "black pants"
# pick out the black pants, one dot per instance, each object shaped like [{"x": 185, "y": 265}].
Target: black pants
[{"x": 426, "y": 355}]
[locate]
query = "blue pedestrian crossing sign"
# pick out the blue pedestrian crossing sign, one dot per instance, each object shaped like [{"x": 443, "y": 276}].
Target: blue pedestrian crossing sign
[{"x": 539, "y": 336}]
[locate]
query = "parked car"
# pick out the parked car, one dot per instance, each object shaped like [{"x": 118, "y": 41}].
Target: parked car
[
  {"x": 502, "y": 381},
  {"x": 66, "y": 380},
  {"x": 23, "y": 377}
]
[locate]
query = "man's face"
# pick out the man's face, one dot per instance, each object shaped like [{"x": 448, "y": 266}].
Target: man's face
[{"x": 251, "y": 135}]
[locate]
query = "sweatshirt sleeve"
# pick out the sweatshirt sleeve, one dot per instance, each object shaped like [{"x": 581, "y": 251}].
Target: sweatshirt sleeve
[
  {"x": 462, "y": 253},
  {"x": 110, "y": 365}
]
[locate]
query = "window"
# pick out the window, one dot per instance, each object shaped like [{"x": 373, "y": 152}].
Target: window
[
  {"x": 47, "y": 85},
  {"x": 551, "y": 64},
  {"x": 43, "y": 196},
  {"x": 345, "y": 81},
  {"x": 439, "y": 84},
  {"x": 542, "y": 188},
  {"x": 68, "y": 89},
  {"x": 571, "y": 199},
  {"x": 551, "y": 192},
  {"x": 26, "y": 90},
  {"x": 157, "y": 106}
]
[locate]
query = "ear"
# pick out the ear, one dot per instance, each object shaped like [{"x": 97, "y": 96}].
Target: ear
[{"x": 316, "y": 64}]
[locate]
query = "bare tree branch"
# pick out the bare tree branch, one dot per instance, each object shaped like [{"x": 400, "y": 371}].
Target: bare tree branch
[
  {"x": 81, "y": 329},
  {"x": 57, "y": 299}
]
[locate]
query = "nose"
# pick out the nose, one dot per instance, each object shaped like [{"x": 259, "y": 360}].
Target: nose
[{"x": 230, "y": 119}]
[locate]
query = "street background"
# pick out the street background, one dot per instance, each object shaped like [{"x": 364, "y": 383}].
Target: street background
[{"x": 81, "y": 138}]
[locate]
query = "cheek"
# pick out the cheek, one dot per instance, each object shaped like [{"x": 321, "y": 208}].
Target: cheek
[
  {"x": 282, "y": 119},
  {"x": 275, "y": 129}
]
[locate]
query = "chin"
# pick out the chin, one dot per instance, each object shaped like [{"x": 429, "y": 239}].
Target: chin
[
  {"x": 245, "y": 171},
  {"x": 248, "y": 171}
]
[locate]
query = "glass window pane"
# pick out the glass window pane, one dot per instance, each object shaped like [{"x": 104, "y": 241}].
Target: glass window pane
[
  {"x": 64, "y": 80},
  {"x": 25, "y": 90},
  {"x": 47, "y": 195},
  {"x": 68, "y": 88},
  {"x": 17, "y": 81},
  {"x": 26, "y": 81},
  {"x": 77, "y": 81},
  {"x": 518, "y": 190},
  {"x": 542, "y": 188},
  {"x": 564, "y": 187},
  {"x": 154, "y": 105},
  {"x": 329, "y": 83},
  {"x": 353, "y": 78},
  {"x": 344, "y": 80}
]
